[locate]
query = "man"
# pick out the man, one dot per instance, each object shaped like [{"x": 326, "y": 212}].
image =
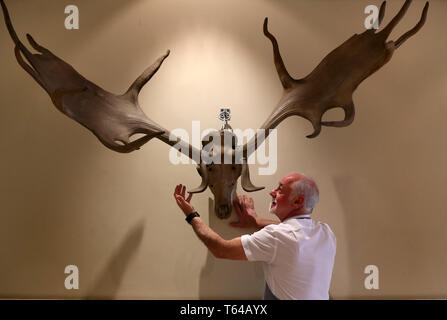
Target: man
[{"x": 297, "y": 253}]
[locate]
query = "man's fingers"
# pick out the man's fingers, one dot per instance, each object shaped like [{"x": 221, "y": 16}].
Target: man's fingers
[
  {"x": 246, "y": 201},
  {"x": 176, "y": 190},
  {"x": 252, "y": 206},
  {"x": 180, "y": 191},
  {"x": 189, "y": 198},
  {"x": 241, "y": 203}
]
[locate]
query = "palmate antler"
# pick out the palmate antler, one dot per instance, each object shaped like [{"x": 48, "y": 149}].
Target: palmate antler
[
  {"x": 114, "y": 119},
  {"x": 332, "y": 83}
]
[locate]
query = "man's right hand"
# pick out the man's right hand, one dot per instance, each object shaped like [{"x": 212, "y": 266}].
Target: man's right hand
[{"x": 246, "y": 213}]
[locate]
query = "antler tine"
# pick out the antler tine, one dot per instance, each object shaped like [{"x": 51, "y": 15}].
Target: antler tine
[
  {"x": 26, "y": 66},
  {"x": 349, "y": 117},
  {"x": 135, "y": 145},
  {"x": 382, "y": 12},
  {"x": 8, "y": 22},
  {"x": 387, "y": 30},
  {"x": 287, "y": 82},
  {"x": 139, "y": 83},
  {"x": 132, "y": 94},
  {"x": 20, "y": 47},
  {"x": 204, "y": 184},
  {"x": 416, "y": 28},
  {"x": 246, "y": 183},
  {"x": 284, "y": 76},
  {"x": 35, "y": 45}
]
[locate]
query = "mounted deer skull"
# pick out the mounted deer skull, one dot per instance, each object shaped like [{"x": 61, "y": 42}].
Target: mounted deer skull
[{"x": 114, "y": 119}]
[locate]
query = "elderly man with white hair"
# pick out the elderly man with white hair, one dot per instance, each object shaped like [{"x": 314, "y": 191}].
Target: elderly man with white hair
[{"x": 297, "y": 253}]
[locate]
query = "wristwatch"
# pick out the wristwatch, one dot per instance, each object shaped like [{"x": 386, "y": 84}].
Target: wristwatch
[{"x": 192, "y": 216}]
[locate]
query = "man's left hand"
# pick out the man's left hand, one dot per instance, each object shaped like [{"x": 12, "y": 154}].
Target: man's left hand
[{"x": 179, "y": 195}]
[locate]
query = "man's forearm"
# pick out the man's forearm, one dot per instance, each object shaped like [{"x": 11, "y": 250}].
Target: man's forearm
[{"x": 211, "y": 239}]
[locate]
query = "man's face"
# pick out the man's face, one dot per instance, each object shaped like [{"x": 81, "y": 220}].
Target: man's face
[{"x": 281, "y": 204}]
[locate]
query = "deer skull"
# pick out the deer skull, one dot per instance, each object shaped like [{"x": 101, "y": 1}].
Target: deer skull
[{"x": 221, "y": 169}]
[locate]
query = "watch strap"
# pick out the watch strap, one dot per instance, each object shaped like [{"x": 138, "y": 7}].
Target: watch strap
[{"x": 192, "y": 216}]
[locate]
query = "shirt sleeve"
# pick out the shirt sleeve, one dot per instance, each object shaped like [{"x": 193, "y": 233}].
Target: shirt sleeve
[{"x": 261, "y": 245}]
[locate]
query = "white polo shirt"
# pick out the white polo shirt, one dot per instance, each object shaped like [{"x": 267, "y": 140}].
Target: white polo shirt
[{"x": 297, "y": 255}]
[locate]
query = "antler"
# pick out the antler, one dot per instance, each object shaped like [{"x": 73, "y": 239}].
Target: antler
[
  {"x": 112, "y": 118},
  {"x": 332, "y": 83}
]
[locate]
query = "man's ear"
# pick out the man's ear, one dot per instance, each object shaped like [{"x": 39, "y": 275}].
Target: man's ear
[{"x": 298, "y": 202}]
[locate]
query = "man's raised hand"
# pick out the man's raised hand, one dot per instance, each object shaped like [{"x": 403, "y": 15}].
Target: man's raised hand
[
  {"x": 184, "y": 204},
  {"x": 246, "y": 213}
]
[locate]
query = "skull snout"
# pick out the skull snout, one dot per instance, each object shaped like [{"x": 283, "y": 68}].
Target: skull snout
[{"x": 224, "y": 211}]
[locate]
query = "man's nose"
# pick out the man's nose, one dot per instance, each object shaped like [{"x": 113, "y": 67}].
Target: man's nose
[{"x": 272, "y": 193}]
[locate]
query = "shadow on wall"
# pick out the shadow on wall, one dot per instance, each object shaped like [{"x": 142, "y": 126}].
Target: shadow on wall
[
  {"x": 222, "y": 279},
  {"x": 362, "y": 205},
  {"x": 59, "y": 175},
  {"x": 378, "y": 235},
  {"x": 108, "y": 283}
]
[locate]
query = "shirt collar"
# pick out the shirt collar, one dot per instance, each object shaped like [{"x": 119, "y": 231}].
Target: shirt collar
[{"x": 301, "y": 216}]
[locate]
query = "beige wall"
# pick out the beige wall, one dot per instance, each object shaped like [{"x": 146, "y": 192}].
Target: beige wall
[{"x": 66, "y": 199}]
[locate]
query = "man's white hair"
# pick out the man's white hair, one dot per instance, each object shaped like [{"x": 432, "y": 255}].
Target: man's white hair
[{"x": 306, "y": 187}]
